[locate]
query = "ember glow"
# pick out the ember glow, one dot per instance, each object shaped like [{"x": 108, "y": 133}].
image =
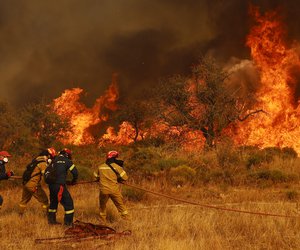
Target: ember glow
[
  {"x": 274, "y": 59},
  {"x": 81, "y": 117}
]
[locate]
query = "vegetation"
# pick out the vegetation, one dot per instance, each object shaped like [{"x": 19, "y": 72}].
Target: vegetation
[
  {"x": 203, "y": 101},
  {"x": 245, "y": 178},
  {"x": 218, "y": 177}
]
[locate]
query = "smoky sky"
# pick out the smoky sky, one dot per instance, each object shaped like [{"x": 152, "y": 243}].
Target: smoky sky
[{"x": 48, "y": 46}]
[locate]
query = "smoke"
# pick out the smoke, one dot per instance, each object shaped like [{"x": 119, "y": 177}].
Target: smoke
[{"x": 49, "y": 46}]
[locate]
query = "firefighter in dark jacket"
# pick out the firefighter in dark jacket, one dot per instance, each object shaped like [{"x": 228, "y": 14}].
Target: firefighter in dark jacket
[
  {"x": 109, "y": 174},
  {"x": 58, "y": 190},
  {"x": 4, "y": 175},
  {"x": 33, "y": 186}
]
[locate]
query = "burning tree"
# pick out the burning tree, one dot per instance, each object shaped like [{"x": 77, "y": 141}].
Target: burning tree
[
  {"x": 135, "y": 113},
  {"x": 203, "y": 101}
]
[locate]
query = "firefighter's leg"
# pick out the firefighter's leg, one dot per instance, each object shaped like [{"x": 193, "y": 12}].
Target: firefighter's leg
[
  {"x": 41, "y": 196},
  {"x": 117, "y": 199},
  {"x": 68, "y": 205},
  {"x": 103, "y": 198},
  {"x": 26, "y": 197},
  {"x": 54, "y": 189},
  {"x": 1, "y": 201}
]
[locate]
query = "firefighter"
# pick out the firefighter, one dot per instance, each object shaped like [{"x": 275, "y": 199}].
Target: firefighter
[
  {"x": 4, "y": 175},
  {"x": 109, "y": 174},
  {"x": 58, "y": 190},
  {"x": 32, "y": 180}
]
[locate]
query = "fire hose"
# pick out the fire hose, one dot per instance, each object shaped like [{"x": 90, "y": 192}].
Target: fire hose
[{"x": 191, "y": 202}]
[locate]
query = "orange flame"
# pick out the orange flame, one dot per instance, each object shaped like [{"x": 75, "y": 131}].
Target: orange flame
[
  {"x": 82, "y": 118},
  {"x": 274, "y": 59}
]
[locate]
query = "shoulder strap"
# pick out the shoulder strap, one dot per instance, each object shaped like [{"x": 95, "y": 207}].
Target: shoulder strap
[
  {"x": 112, "y": 168},
  {"x": 36, "y": 165}
]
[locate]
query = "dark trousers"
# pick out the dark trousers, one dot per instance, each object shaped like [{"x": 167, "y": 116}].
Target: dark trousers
[
  {"x": 60, "y": 194},
  {"x": 1, "y": 201}
]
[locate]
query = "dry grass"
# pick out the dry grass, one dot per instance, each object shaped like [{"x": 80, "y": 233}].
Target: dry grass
[{"x": 158, "y": 223}]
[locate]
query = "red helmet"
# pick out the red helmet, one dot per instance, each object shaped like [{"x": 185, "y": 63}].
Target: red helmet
[
  {"x": 66, "y": 152},
  {"x": 4, "y": 154},
  {"x": 51, "y": 152},
  {"x": 112, "y": 154}
]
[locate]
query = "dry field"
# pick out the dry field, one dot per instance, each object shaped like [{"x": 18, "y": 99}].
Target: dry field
[{"x": 158, "y": 223}]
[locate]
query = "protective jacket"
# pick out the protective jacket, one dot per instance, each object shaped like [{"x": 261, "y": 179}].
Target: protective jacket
[
  {"x": 33, "y": 186},
  {"x": 109, "y": 174},
  {"x": 37, "y": 173},
  {"x": 62, "y": 165},
  {"x": 108, "y": 179}
]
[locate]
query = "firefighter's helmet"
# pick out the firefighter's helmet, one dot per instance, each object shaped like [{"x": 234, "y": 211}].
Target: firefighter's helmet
[
  {"x": 66, "y": 152},
  {"x": 51, "y": 152},
  {"x": 5, "y": 154},
  {"x": 112, "y": 154}
]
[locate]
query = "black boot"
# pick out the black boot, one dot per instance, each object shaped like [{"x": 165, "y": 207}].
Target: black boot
[
  {"x": 69, "y": 219},
  {"x": 52, "y": 219}
]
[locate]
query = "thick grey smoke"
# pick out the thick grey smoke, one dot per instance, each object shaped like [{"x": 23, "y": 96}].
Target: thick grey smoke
[{"x": 48, "y": 46}]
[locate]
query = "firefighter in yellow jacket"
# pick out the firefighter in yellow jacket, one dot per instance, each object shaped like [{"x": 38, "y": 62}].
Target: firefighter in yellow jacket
[
  {"x": 32, "y": 178},
  {"x": 109, "y": 175}
]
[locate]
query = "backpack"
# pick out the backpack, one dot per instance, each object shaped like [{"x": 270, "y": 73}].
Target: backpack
[
  {"x": 28, "y": 171},
  {"x": 50, "y": 174}
]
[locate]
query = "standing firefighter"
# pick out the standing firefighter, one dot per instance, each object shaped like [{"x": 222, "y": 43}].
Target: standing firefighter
[
  {"x": 58, "y": 189},
  {"x": 4, "y": 175},
  {"x": 109, "y": 175},
  {"x": 32, "y": 178}
]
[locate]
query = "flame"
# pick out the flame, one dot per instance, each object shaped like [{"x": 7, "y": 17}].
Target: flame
[
  {"x": 81, "y": 117},
  {"x": 274, "y": 59}
]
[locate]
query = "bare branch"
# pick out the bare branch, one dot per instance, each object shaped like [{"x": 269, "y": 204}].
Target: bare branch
[{"x": 250, "y": 114}]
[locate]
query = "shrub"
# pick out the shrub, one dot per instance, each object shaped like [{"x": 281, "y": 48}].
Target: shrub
[
  {"x": 289, "y": 153},
  {"x": 163, "y": 164},
  {"x": 181, "y": 175},
  {"x": 276, "y": 176},
  {"x": 291, "y": 195},
  {"x": 133, "y": 194},
  {"x": 271, "y": 152},
  {"x": 255, "y": 159},
  {"x": 227, "y": 154}
]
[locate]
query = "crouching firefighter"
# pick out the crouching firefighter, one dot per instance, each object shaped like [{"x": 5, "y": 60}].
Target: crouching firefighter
[
  {"x": 4, "y": 175},
  {"x": 109, "y": 175},
  {"x": 32, "y": 180},
  {"x": 58, "y": 189}
]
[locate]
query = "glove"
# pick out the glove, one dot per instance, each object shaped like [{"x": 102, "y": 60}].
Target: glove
[
  {"x": 120, "y": 180},
  {"x": 10, "y": 173}
]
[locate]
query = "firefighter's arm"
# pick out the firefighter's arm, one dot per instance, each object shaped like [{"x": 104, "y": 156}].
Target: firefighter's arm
[
  {"x": 122, "y": 175},
  {"x": 74, "y": 172},
  {"x": 96, "y": 175},
  {"x": 3, "y": 176}
]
